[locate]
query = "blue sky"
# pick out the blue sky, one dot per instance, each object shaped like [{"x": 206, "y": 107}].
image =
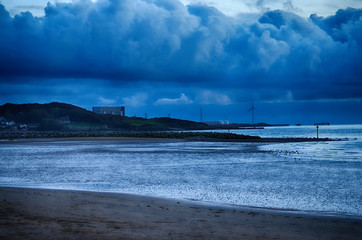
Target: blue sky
[{"x": 298, "y": 62}]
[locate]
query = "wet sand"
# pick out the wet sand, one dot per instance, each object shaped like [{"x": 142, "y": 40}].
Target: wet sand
[{"x": 64, "y": 214}]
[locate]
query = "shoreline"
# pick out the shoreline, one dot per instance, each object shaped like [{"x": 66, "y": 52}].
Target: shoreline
[
  {"x": 262, "y": 209},
  {"x": 75, "y": 139},
  {"x": 273, "y": 210},
  {"x": 69, "y": 214},
  {"x": 154, "y": 136}
]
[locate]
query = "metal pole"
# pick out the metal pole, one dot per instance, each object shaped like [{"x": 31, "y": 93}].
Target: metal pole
[
  {"x": 317, "y": 131},
  {"x": 252, "y": 112},
  {"x": 201, "y": 117}
]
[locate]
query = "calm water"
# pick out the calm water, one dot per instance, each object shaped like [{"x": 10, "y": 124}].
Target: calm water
[{"x": 322, "y": 177}]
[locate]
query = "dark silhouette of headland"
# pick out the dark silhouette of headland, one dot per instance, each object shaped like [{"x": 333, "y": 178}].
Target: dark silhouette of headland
[{"x": 61, "y": 120}]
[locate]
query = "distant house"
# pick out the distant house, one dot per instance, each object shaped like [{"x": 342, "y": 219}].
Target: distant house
[{"x": 110, "y": 110}]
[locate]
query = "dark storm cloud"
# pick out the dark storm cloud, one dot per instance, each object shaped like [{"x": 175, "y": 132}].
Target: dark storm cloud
[
  {"x": 281, "y": 56},
  {"x": 343, "y": 26}
]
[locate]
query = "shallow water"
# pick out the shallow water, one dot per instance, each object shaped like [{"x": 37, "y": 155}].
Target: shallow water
[{"x": 322, "y": 176}]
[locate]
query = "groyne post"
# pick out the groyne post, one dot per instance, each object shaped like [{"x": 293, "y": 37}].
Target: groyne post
[{"x": 317, "y": 131}]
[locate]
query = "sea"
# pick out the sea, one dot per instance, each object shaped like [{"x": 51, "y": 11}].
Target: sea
[{"x": 323, "y": 177}]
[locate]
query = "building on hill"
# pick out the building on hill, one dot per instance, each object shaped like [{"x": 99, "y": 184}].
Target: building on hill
[{"x": 110, "y": 110}]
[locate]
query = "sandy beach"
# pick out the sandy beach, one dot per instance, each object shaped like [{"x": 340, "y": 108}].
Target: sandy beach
[{"x": 63, "y": 214}]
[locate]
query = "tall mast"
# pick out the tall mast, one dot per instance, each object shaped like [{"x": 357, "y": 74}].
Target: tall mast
[
  {"x": 201, "y": 117},
  {"x": 252, "y": 112}
]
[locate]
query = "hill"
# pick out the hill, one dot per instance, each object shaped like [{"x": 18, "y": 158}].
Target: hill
[{"x": 66, "y": 117}]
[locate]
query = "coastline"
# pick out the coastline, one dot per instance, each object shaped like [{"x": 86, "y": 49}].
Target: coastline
[
  {"x": 153, "y": 136},
  {"x": 68, "y": 214}
]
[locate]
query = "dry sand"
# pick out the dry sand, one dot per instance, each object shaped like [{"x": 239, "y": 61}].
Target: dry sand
[{"x": 63, "y": 214}]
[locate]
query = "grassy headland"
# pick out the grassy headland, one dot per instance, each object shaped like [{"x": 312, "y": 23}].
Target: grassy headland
[
  {"x": 69, "y": 118},
  {"x": 60, "y": 120}
]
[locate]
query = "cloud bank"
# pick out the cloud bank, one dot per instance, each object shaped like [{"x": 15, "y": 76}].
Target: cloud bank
[{"x": 279, "y": 56}]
